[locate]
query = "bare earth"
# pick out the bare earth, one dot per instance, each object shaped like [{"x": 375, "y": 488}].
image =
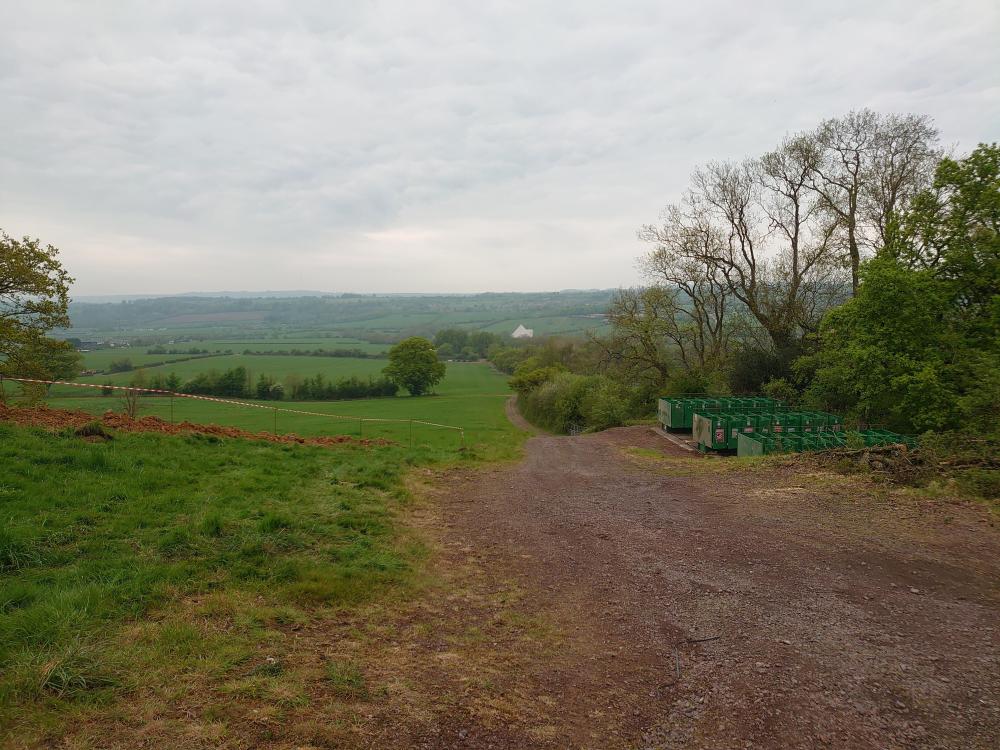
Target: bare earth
[{"x": 707, "y": 607}]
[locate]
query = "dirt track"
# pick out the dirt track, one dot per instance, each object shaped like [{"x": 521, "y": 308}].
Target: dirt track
[{"x": 711, "y": 608}]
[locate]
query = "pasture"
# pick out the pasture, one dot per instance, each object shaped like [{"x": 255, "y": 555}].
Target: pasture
[
  {"x": 306, "y": 340},
  {"x": 275, "y": 365},
  {"x": 471, "y": 396},
  {"x": 117, "y": 556},
  {"x": 148, "y": 564},
  {"x": 101, "y": 359}
]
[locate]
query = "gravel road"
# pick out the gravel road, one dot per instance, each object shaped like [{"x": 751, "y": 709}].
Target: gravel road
[{"x": 737, "y": 609}]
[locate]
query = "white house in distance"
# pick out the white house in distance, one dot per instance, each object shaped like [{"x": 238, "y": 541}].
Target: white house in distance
[{"x": 522, "y": 333}]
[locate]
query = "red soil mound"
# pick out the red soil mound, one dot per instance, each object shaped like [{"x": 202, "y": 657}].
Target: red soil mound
[{"x": 57, "y": 419}]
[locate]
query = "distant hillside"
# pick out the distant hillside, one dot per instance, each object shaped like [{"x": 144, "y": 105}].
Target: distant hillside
[{"x": 372, "y": 317}]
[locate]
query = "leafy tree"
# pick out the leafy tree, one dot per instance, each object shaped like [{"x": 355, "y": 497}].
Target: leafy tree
[
  {"x": 507, "y": 358},
  {"x": 34, "y": 296},
  {"x": 527, "y": 380},
  {"x": 414, "y": 365},
  {"x": 919, "y": 346}
]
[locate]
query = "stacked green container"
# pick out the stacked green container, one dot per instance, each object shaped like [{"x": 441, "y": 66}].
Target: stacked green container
[
  {"x": 677, "y": 413},
  {"x": 761, "y": 444}
]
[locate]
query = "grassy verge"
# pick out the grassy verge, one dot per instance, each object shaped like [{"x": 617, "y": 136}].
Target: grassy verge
[{"x": 147, "y": 564}]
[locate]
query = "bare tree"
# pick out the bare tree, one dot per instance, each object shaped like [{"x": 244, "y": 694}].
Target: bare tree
[
  {"x": 759, "y": 228},
  {"x": 639, "y": 341},
  {"x": 130, "y": 403},
  {"x": 696, "y": 305},
  {"x": 868, "y": 166},
  {"x": 684, "y": 317}
]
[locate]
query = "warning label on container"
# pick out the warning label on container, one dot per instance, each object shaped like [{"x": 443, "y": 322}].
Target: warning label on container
[{"x": 720, "y": 435}]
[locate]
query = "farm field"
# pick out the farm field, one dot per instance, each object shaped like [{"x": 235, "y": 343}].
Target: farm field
[
  {"x": 550, "y": 326},
  {"x": 351, "y": 316},
  {"x": 307, "y": 341},
  {"x": 275, "y": 365},
  {"x": 471, "y": 397},
  {"x": 101, "y": 359},
  {"x": 140, "y": 569}
]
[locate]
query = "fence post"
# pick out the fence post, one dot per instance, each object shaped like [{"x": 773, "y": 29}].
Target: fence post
[
  {"x": 361, "y": 428},
  {"x": 171, "y": 408},
  {"x": 411, "y": 433},
  {"x": 275, "y": 410}
]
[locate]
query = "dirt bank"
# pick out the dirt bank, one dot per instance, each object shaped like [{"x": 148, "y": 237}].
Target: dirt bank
[{"x": 58, "y": 419}]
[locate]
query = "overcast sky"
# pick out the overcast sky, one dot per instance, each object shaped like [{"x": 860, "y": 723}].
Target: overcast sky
[{"x": 430, "y": 146}]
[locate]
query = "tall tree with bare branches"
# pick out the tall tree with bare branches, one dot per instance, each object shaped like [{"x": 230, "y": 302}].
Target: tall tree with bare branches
[
  {"x": 867, "y": 168},
  {"x": 759, "y": 229}
]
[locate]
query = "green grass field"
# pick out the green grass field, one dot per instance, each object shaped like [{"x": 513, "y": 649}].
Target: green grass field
[
  {"x": 470, "y": 397},
  {"x": 291, "y": 341},
  {"x": 97, "y": 537},
  {"x": 135, "y": 570},
  {"x": 101, "y": 359},
  {"x": 277, "y": 366}
]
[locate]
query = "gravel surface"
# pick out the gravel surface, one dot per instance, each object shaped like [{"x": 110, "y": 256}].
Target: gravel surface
[{"x": 723, "y": 608}]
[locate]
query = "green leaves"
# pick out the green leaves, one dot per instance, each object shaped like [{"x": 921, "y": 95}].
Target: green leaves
[
  {"x": 34, "y": 296},
  {"x": 917, "y": 348},
  {"x": 414, "y": 365}
]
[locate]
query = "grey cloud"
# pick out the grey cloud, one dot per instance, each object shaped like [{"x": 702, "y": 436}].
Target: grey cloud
[{"x": 430, "y": 146}]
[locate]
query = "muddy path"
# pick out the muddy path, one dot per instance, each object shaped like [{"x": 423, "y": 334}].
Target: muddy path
[{"x": 703, "y": 606}]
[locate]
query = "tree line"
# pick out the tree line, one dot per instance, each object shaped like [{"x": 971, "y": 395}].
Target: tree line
[
  {"x": 341, "y": 353},
  {"x": 853, "y": 268},
  {"x": 238, "y": 383},
  {"x": 464, "y": 346}
]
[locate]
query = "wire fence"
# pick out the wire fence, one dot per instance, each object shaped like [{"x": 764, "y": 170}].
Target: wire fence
[{"x": 403, "y": 432}]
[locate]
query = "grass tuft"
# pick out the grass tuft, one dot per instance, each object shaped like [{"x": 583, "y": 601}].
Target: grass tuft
[{"x": 346, "y": 679}]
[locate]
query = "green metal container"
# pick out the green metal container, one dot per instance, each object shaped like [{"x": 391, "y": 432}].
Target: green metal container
[
  {"x": 812, "y": 422},
  {"x": 710, "y": 430},
  {"x": 677, "y": 413},
  {"x": 762, "y": 444},
  {"x": 751, "y": 445},
  {"x": 721, "y": 431},
  {"x": 664, "y": 410}
]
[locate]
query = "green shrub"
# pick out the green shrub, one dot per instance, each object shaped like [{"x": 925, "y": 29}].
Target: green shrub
[
  {"x": 780, "y": 388},
  {"x": 525, "y": 381},
  {"x": 979, "y": 482},
  {"x": 605, "y": 404}
]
